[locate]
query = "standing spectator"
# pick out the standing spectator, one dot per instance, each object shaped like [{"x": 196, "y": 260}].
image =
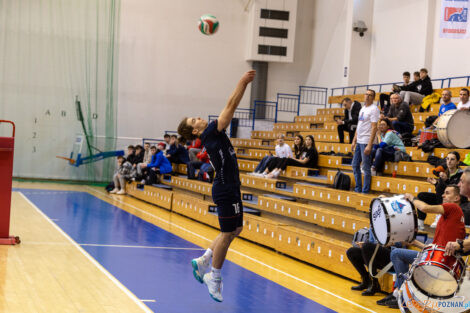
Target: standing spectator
[
  {"x": 400, "y": 115},
  {"x": 447, "y": 103},
  {"x": 194, "y": 148},
  {"x": 464, "y": 104},
  {"x": 363, "y": 140},
  {"x": 349, "y": 122},
  {"x": 423, "y": 87},
  {"x": 122, "y": 174},
  {"x": 389, "y": 142},
  {"x": 385, "y": 98},
  {"x": 177, "y": 153},
  {"x": 282, "y": 150}
]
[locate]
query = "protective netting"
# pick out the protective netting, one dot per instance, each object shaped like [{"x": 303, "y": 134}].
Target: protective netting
[{"x": 52, "y": 51}]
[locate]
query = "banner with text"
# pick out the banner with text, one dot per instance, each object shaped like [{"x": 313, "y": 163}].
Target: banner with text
[{"x": 454, "y": 19}]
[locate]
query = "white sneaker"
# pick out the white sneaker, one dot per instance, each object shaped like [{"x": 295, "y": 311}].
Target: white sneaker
[
  {"x": 114, "y": 190},
  {"x": 434, "y": 224},
  {"x": 373, "y": 172},
  {"x": 215, "y": 287},
  {"x": 420, "y": 224},
  {"x": 121, "y": 192},
  {"x": 199, "y": 268}
]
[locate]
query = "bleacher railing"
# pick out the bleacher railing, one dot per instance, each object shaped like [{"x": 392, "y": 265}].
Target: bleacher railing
[
  {"x": 264, "y": 110},
  {"x": 309, "y": 95},
  {"x": 447, "y": 82}
]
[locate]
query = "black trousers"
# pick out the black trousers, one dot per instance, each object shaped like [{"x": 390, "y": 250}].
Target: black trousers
[
  {"x": 282, "y": 163},
  {"x": 384, "y": 103},
  {"x": 429, "y": 198},
  {"x": 342, "y": 129},
  {"x": 360, "y": 258}
]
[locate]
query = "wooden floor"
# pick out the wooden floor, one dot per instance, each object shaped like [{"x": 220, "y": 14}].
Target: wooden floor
[{"x": 47, "y": 272}]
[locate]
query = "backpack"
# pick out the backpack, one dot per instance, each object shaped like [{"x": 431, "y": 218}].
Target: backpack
[
  {"x": 342, "y": 181},
  {"x": 362, "y": 235}
]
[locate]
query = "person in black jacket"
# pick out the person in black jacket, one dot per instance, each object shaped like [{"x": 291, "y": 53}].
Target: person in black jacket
[
  {"x": 349, "y": 123},
  {"x": 385, "y": 98},
  {"x": 400, "y": 115},
  {"x": 423, "y": 89}
]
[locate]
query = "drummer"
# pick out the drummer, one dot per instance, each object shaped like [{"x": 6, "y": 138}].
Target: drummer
[
  {"x": 463, "y": 247},
  {"x": 449, "y": 228}
]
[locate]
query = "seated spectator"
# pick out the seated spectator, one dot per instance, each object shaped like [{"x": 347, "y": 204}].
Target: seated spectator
[
  {"x": 450, "y": 228},
  {"x": 122, "y": 174},
  {"x": 177, "y": 153},
  {"x": 130, "y": 157},
  {"x": 385, "y": 98},
  {"x": 147, "y": 153},
  {"x": 206, "y": 171},
  {"x": 423, "y": 89},
  {"x": 464, "y": 104},
  {"x": 158, "y": 165},
  {"x": 389, "y": 142},
  {"x": 451, "y": 176},
  {"x": 307, "y": 158},
  {"x": 194, "y": 148},
  {"x": 282, "y": 150},
  {"x": 349, "y": 122},
  {"x": 400, "y": 115},
  {"x": 447, "y": 103}
]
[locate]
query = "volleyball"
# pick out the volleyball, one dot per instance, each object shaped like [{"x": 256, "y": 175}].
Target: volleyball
[{"x": 208, "y": 24}]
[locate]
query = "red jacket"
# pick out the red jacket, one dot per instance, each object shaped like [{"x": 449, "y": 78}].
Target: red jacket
[
  {"x": 196, "y": 143},
  {"x": 203, "y": 156}
]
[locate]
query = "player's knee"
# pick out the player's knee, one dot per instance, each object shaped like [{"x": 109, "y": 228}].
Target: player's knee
[{"x": 237, "y": 231}]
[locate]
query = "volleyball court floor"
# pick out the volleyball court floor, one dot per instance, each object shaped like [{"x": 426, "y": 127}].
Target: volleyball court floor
[{"x": 141, "y": 255}]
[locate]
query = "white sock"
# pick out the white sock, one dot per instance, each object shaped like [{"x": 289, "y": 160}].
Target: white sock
[
  {"x": 207, "y": 255},
  {"x": 216, "y": 273}
]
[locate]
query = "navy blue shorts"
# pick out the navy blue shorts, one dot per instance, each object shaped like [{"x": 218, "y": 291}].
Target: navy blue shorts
[{"x": 230, "y": 215}]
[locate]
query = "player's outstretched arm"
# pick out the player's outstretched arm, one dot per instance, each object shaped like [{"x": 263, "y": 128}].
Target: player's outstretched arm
[{"x": 227, "y": 113}]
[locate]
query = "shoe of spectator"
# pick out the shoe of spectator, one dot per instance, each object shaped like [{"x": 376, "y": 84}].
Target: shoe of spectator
[
  {"x": 270, "y": 175},
  {"x": 383, "y": 301},
  {"x": 121, "y": 192},
  {"x": 214, "y": 286},
  {"x": 114, "y": 190},
  {"x": 393, "y": 303},
  {"x": 206, "y": 177},
  {"x": 276, "y": 174},
  {"x": 373, "y": 172},
  {"x": 420, "y": 224},
  {"x": 143, "y": 181},
  {"x": 434, "y": 224}
]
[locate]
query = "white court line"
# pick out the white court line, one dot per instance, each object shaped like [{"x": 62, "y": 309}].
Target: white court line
[
  {"x": 91, "y": 259},
  {"x": 239, "y": 253},
  {"x": 141, "y": 247},
  {"x": 153, "y": 301}
]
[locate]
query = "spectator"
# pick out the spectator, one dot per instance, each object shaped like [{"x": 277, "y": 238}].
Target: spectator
[
  {"x": 447, "y": 103},
  {"x": 282, "y": 150},
  {"x": 194, "y": 148},
  {"x": 464, "y": 104},
  {"x": 400, "y": 115},
  {"x": 389, "y": 142},
  {"x": 139, "y": 154},
  {"x": 147, "y": 153},
  {"x": 206, "y": 171},
  {"x": 363, "y": 140},
  {"x": 131, "y": 155},
  {"x": 450, "y": 176},
  {"x": 385, "y": 98},
  {"x": 123, "y": 172},
  {"x": 423, "y": 88},
  {"x": 177, "y": 153},
  {"x": 349, "y": 122},
  {"x": 307, "y": 158},
  {"x": 450, "y": 228},
  {"x": 158, "y": 165},
  {"x": 275, "y": 162}
]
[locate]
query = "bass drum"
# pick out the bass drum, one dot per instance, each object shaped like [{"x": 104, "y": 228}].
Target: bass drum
[{"x": 453, "y": 128}]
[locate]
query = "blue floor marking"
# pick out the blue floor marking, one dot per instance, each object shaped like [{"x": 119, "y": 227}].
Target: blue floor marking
[{"x": 164, "y": 275}]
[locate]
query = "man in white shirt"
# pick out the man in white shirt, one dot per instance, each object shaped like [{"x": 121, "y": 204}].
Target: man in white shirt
[
  {"x": 464, "y": 104},
  {"x": 363, "y": 141}
]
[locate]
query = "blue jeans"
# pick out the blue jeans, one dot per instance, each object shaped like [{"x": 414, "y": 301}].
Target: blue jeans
[
  {"x": 401, "y": 259},
  {"x": 262, "y": 165},
  {"x": 366, "y": 160},
  {"x": 402, "y": 127},
  {"x": 382, "y": 155}
]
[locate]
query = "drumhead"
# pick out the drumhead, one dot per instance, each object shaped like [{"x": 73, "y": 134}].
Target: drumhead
[
  {"x": 458, "y": 129},
  {"x": 434, "y": 281},
  {"x": 379, "y": 221}
]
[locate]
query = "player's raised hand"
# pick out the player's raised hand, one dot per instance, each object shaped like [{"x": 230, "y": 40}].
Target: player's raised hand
[{"x": 248, "y": 76}]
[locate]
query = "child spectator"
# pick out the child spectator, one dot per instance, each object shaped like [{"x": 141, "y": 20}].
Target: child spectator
[
  {"x": 206, "y": 170},
  {"x": 177, "y": 153},
  {"x": 166, "y": 138},
  {"x": 131, "y": 156},
  {"x": 147, "y": 153},
  {"x": 158, "y": 165},
  {"x": 194, "y": 148},
  {"x": 123, "y": 172}
]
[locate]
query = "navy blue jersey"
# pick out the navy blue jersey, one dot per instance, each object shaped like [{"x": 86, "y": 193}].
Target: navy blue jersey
[{"x": 222, "y": 157}]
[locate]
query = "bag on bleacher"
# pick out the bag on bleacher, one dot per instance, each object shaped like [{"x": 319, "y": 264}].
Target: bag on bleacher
[
  {"x": 342, "y": 181},
  {"x": 362, "y": 235},
  {"x": 401, "y": 156},
  {"x": 430, "y": 99}
]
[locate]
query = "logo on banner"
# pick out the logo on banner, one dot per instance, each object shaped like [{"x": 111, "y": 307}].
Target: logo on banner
[
  {"x": 398, "y": 207},
  {"x": 452, "y": 14}
]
